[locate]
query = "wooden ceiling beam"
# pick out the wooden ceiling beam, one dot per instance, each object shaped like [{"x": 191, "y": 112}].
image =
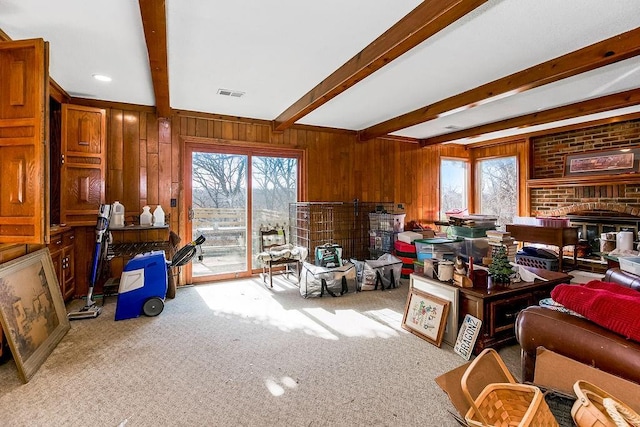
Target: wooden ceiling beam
[
  {"x": 609, "y": 51},
  {"x": 592, "y": 106},
  {"x": 428, "y": 18},
  {"x": 154, "y": 21}
]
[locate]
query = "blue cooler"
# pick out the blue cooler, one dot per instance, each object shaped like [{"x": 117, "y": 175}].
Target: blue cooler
[{"x": 143, "y": 286}]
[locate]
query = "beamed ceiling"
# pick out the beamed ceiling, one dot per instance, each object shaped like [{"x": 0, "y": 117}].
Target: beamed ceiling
[{"x": 434, "y": 71}]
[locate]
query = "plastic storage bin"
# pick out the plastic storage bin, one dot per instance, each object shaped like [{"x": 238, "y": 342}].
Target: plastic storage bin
[
  {"x": 630, "y": 265},
  {"x": 477, "y": 248},
  {"x": 386, "y": 222},
  {"x": 438, "y": 245},
  {"x": 470, "y": 231}
]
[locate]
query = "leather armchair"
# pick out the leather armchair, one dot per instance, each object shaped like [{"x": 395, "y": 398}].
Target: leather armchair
[{"x": 579, "y": 338}]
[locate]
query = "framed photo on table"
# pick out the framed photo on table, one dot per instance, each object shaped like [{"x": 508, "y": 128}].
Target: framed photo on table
[
  {"x": 425, "y": 316},
  {"x": 32, "y": 311}
]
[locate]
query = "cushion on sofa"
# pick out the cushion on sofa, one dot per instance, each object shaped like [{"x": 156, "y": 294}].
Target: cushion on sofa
[{"x": 609, "y": 305}]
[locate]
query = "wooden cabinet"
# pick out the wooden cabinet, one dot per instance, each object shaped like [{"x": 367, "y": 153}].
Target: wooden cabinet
[
  {"x": 83, "y": 156},
  {"x": 499, "y": 306},
  {"x": 62, "y": 249},
  {"x": 23, "y": 145}
]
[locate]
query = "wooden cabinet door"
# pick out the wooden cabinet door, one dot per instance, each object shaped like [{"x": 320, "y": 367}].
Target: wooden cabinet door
[
  {"x": 83, "y": 164},
  {"x": 23, "y": 145}
]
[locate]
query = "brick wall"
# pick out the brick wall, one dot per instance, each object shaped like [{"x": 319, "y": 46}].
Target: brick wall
[{"x": 548, "y": 154}]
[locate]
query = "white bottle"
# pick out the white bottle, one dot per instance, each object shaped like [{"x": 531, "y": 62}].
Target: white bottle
[
  {"x": 158, "y": 217},
  {"x": 145, "y": 216},
  {"x": 117, "y": 214}
]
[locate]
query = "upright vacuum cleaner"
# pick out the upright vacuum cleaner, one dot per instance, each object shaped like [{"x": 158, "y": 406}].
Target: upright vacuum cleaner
[{"x": 91, "y": 309}]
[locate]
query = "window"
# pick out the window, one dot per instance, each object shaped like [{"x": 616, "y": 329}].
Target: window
[
  {"x": 453, "y": 185},
  {"x": 498, "y": 188}
]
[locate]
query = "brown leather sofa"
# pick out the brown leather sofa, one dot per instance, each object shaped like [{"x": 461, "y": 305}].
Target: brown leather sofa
[{"x": 578, "y": 338}]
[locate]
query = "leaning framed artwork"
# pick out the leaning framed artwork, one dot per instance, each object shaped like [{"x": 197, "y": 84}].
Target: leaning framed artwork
[
  {"x": 32, "y": 311},
  {"x": 425, "y": 316},
  {"x": 447, "y": 292},
  {"x": 608, "y": 162}
]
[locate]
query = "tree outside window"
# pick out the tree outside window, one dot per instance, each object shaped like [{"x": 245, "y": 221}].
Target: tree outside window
[{"x": 498, "y": 188}]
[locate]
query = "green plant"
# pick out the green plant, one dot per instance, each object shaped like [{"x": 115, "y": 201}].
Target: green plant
[{"x": 500, "y": 270}]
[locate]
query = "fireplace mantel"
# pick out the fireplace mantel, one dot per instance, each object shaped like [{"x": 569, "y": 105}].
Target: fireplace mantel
[{"x": 584, "y": 181}]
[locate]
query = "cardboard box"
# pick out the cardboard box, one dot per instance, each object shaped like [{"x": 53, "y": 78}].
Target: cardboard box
[
  {"x": 560, "y": 373},
  {"x": 487, "y": 372}
]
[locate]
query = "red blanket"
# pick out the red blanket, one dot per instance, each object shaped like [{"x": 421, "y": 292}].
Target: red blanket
[{"x": 610, "y": 305}]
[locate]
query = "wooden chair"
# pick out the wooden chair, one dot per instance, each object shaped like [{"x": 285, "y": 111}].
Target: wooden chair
[{"x": 276, "y": 252}]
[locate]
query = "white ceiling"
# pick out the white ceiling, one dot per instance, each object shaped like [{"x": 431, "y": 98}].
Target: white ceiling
[{"x": 276, "y": 51}]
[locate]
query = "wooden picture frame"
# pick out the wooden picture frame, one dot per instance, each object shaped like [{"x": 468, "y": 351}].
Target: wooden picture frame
[
  {"x": 425, "y": 316},
  {"x": 609, "y": 162},
  {"x": 447, "y": 292},
  {"x": 32, "y": 311}
]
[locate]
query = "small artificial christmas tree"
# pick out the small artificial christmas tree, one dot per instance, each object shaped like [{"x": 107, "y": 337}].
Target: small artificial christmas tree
[{"x": 500, "y": 270}]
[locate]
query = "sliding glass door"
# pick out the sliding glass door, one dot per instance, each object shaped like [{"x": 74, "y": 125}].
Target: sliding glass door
[
  {"x": 232, "y": 193},
  {"x": 274, "y": 185}
]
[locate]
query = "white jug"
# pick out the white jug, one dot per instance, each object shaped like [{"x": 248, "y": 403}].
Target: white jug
[
  {"x": 117, "y": 214},
  {"x": 445, "y": 271},
  {"x": 158, "y": 217},
  {"x": 145, "y": 216}
]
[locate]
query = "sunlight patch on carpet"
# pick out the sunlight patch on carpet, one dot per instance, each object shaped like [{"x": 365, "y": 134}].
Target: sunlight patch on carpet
[
  {"x": 277, "y": 388},
  {"x": 390, "y": 317},
  {"x": 257, "y": 305},
  {"x": 350, "y": 323}
]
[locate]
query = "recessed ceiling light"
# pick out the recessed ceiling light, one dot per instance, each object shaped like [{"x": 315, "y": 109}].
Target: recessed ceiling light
[{"x": 102, "y": 77}]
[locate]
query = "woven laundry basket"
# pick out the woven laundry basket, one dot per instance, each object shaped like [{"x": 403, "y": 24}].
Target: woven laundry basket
[{"x": 505, "y": 404}]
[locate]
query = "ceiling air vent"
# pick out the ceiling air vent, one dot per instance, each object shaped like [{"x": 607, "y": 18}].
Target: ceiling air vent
[
  {"x": 453, "y": 127},
  {"x": 228, "y": 92}
]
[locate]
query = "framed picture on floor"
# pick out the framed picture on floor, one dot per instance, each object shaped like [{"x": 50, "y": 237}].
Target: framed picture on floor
[
  {"x": 447, "y": 292},
  {"x": 425, "y": 316},
  {"x": 32, "y": 311}
]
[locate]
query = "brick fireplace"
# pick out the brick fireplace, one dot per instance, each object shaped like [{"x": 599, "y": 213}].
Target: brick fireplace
[
  {"x": 595, "y": 206},
  {"x": 548, "y": 154}
]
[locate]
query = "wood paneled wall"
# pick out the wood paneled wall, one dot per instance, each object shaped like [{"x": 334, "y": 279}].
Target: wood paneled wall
[{"x": 339, "y": 167}]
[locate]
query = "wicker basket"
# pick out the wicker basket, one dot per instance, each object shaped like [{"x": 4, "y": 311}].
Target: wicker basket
[
  {"x": 510, "y": 405},
  {"x": 505, "y": 404}
]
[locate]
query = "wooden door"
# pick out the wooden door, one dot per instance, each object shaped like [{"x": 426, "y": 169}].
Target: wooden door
[
  {"x": 23, "y": 145},
  {"x": 83, "y": 164}
]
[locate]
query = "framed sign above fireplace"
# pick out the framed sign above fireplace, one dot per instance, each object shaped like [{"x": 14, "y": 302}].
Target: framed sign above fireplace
[{"x": 626, "y": 160}]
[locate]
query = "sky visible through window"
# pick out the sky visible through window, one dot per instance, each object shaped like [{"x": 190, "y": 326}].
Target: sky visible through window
[{"x": 453, "y": 185}]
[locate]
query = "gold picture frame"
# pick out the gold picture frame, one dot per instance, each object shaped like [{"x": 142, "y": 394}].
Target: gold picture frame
[
  {"x": 425, "y": 316},
  {"x": 607, "y": 162},
  {"x": 32, "y": 311}
]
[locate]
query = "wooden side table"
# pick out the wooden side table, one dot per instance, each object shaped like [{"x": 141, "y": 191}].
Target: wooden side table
[
  {"x": 556, "y": 236},
  {"x": 498, "y": 306}
]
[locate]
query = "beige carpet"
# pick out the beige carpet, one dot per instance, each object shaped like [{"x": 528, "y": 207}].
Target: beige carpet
[{"x": 239, "y": 354}]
